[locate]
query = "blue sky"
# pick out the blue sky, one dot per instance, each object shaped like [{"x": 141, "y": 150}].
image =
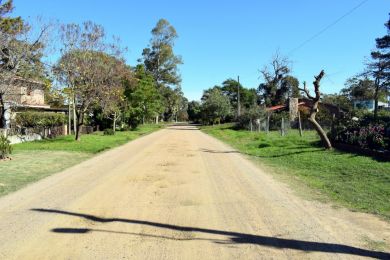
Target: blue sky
[{"x": 224, "y": 39}]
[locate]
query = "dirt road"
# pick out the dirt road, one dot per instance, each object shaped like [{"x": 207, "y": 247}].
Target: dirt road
[{"x": 178, "y": 194}]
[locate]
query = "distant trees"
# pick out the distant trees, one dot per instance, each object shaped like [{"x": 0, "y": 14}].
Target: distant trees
[
  {"x": 248, "y": 97},
  {"x": 215, "y": 106}
]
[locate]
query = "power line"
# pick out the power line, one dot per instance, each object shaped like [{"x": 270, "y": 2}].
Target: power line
[{"x": 327, "y": 27}]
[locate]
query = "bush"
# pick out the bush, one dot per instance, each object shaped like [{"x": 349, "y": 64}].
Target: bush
[
  {"x": 109, "y": 131},
  {"x": 369, "y": 137},
  {"x": 5, "y": 147},
  {"x": 39, "y": 119}
]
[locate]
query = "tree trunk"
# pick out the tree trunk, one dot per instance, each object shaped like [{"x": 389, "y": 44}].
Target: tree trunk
[
  {"x": 312, "y": 119},
  {"x": 80, "y": 122},
  {"x": 75, "y": 121},
  {"x": 69, "y": 118},
  {"x": 114, "y": 122},
  {"x": 300, "y": 123},
  {"x": 376, "y": 98},
  {"x": 2, "y": 113}
]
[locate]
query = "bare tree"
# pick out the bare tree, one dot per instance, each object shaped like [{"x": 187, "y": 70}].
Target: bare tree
[
  {"x": 314, "y": 108},
  {"x": 20, "y": 54},
  {"x": 91, "y": 68}
]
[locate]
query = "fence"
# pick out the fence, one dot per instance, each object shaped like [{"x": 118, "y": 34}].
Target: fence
[{"x": 19, "y": 135}]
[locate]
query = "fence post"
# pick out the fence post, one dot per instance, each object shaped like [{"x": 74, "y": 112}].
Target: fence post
[
  {"x": 282, "y": 127},
  {"x": 267, "y": 126},
  {"x": 300, "y": 123}
]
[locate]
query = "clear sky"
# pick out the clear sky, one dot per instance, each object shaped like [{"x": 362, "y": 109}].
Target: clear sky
[{"x": 223, "y": 39}]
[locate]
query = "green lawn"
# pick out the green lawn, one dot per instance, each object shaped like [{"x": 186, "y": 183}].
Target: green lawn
[
  {"x": 32, "y": 161},
  {"x": 358, "y": 182}
]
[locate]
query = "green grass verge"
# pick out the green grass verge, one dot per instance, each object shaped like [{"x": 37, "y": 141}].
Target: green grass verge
[
  {"x": 357, "y": 182},
  {"x": 32, "y": 161}
]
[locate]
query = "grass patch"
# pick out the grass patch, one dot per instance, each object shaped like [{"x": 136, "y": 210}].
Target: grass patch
[
  {"x": 357, "y": 182},
  {"x": 32, "y": 161}
]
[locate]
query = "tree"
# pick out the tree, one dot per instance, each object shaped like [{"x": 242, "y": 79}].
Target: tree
[
  {"x": 315, "y": 109},
  {"x": 92, "y": 69},
  {"x": 379, "y": 68},
  {"x": 278, "y": 85},
  {"x": 357, "y": 88},
  {"x": 248, "y": 97},
  {"x": 159, "y": 58},
  {"x": 215, "y": 106},
  {"x": 143, "y": 99},
  {"x": 20, "y": 54},
  {"x": 161, "y": 62},
  {"x": 194, "y": 111}
]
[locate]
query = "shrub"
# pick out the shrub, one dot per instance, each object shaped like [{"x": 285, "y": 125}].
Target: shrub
[
  {"x": 5, "y": 147},
  {"x": 39, "y": 119},
  {"x": 109, "y": 131}
]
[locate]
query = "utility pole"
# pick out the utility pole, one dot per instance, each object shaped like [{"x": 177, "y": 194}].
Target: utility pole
[{"x": 238, "y": 97}]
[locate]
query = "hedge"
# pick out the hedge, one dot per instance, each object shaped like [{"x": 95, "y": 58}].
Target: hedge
[{"x": 39, "y": 119}]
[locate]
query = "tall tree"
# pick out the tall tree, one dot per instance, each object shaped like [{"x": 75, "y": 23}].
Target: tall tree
[
  {"x": 161, "y": 62},
  {"x": 92, "y": 68},
  {"x": 278, "y": 85},
  {"x": 159, "y": 58},
  {"x": 379, "y": 68}
]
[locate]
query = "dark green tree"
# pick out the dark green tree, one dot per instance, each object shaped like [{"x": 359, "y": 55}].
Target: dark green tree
[
  {"x": 278, "y": 85},
  {"x": 144, "y": 102},
  {"x": 379, "y": 68},
  {"x": 248, "y": 97},
  {"x": 194, "y": 111},
  {"x": 159, "y": 58},
  {"x": 215, "y": 106}
]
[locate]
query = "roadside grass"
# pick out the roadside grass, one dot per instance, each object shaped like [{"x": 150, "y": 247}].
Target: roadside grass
[
  {"x": 32, "y": 161},
  {"x": 357, "y": 182}
]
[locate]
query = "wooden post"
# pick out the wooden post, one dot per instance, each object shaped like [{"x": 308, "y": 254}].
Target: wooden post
[
  {"x": 282, "y": 127},
  {"x": 268, "y": 119},
  {"x": 300, "y": 123},
  {"x": 251, "y": 125}
]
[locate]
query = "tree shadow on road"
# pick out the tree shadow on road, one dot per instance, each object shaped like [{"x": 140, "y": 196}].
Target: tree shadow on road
[
  {"x": 232, "y": 237},
  {"x": 259, "y": 156}
]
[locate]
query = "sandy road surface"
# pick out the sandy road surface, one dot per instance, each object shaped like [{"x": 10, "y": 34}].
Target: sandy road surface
[{"x": 177, "y": 194}]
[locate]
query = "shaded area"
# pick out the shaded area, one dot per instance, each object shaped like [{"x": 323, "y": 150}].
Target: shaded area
[
  {"x": 234, "y": 237},
  {"x": 260, "y": 156}
]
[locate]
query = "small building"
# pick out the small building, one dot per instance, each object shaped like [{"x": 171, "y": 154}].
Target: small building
[
  {"x": 369, "y": 104},
  {"x": 23, "y": 94}
]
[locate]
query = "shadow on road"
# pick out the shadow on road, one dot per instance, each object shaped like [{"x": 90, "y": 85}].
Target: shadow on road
[
  {"x": 233, "y": 237},
  {"x": 259, "y": 156}
]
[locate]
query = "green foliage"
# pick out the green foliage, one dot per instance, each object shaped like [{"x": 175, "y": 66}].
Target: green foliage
[
  {"x": 40, "y": 119},
  {"x": 194, "y": 111},
  {"x": 248, "y": 97},
  {"x": 357, "y": 182},
  {"x": 5, "y": 147},
  {"x": 278, "y": 84},
  {"x": 159, "y": 58},
  {"x": 109, "y": 131},
  {"x": 7, "y": 24},
  {"x": 215, "y": 106},
  {"x": 248, "y": 117},
  {"x": 143, "y": 99}
]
